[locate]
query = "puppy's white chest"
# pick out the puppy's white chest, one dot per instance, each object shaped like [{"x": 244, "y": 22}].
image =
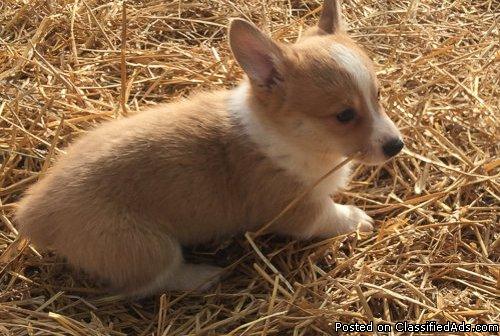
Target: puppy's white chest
[
  {"x": 304, "y": 165},
  {"x": 309, "y": 171}
]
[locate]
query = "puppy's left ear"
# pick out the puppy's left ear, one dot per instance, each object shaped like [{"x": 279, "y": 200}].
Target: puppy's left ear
[
  {"x": 260, "y": 57},
  {"x": 330, "y": 21}
]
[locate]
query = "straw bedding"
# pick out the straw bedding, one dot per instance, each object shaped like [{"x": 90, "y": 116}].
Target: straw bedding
[{"x": 66, "y": 65}]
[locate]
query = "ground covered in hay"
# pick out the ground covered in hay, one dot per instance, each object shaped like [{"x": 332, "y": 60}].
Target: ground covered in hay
[{"x": 435, "y": 251}]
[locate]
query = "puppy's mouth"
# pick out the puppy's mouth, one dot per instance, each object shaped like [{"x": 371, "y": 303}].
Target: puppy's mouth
[{"x": 370, "y": 157}]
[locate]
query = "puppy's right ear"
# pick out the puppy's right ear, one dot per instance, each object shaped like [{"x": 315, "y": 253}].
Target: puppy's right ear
[
  {"x": 330, "y": 20},
  {"x": 259, "y": 56}
]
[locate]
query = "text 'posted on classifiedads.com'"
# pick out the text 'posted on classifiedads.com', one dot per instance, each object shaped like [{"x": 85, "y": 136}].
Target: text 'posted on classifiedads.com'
[{"x": 427, "y": 327}]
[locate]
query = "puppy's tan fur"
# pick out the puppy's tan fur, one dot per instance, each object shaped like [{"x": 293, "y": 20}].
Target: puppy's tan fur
[{"x": 130, "y": 193}]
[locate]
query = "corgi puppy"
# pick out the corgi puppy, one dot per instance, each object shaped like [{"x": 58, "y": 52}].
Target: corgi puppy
[{"x": 128, "y": 194}]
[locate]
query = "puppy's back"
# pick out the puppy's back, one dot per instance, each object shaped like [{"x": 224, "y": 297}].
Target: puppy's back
[{"x": 146, "y": 164}]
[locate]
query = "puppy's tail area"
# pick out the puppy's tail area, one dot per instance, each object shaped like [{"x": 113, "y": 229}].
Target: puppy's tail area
[
  {"x": 32, "y": 222},
  {"x": 32, "y": 233}
]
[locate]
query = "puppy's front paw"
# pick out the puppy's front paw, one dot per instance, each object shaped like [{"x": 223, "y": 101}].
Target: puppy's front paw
[
  {"x": 359, "y": 219},
  {"x": 351, "y": 218},
  {"x": 342, "y": 219}
]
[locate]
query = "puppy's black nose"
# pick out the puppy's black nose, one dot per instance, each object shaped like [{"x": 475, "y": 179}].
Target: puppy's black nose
[{"x": 392, "y": 147}]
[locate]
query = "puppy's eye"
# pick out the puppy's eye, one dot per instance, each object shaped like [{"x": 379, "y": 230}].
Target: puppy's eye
[{"x": 347, "y": 115}]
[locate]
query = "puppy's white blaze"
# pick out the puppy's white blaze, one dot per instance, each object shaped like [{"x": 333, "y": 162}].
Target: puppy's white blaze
[
  {"x": 298, "y": 162},
  {"x": 350, "y": 60},
  {"x": 383, "y": 128}
]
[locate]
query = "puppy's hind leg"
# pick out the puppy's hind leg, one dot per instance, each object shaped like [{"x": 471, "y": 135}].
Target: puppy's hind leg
[
  {"x": 135, "y": 259},
  {"x": 182, "y": 277},
  {"x": 159, "y": 265}
]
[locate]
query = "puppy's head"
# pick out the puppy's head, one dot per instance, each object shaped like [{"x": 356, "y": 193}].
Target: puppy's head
[{"x": 320, "y": 93}]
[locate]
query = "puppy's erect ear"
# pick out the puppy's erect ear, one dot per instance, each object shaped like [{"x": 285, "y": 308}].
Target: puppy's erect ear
[
  {"x": 257, "y": 54},
  {"x": 330, "y": 20}
]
